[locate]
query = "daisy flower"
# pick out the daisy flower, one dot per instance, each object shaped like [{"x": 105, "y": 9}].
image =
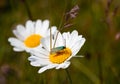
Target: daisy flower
[
  {"x": 66, "y": 46},
  {"x": 28, "y": 37}
]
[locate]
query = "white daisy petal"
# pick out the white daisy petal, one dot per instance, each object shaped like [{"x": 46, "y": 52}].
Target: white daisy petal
[
  {"x": 66, "y": 36},
  {"x": 18, "y": 49},
  {"x": 74, "y": 33},
  {"x": 77, "y": 46},
  {"x": 39, "y": 52},
  {"x": 35, "y": 61},
  {"x": 16, "y": 43},
  {"x": 39, "y": 63},
  {"x": 63, "y": 65},
  {"x": 50, "y": 66},
  {"x": 45, "y": 26},
  {"x": 19, "y": 36},
  {"x": 73, "y": 42},
  {"x": 59, "y": 41},
  {"x": 41, "y": 55},
  {"x": 46, "y": 43},
  {"x": 38, "y": 27},
  {"x": 53, "y": 30},
  {"x": 21, "y": 30},
  {"x": 29, "y": 27},
  {"x": 72, "y": 39}
]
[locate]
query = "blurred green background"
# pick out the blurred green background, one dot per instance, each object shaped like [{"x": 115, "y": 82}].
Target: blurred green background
[{"x": 98, "y": 21}]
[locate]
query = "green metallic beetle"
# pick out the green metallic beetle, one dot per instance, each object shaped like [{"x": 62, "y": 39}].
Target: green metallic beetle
[{"x": 54, "y": 50}]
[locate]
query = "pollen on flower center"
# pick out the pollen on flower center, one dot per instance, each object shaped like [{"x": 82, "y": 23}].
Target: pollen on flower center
[
  {"x": 32, "y": 41},
  {"x": 60, "y": 56}
]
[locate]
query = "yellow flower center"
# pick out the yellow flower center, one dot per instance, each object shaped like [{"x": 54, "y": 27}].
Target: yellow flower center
[
  {"x": 60, "y": 56},
  {"x": 32, "y": 41}
]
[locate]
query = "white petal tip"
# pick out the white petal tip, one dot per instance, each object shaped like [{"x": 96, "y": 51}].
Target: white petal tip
[
  {"x": 9, "y": 39},
  {"x": 17, "y": 49},
  {"x": 41, "y": 70}
]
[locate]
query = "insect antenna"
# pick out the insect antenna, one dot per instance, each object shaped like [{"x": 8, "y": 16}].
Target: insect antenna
[
  {"x": 66, "y": 18},
  {"x": 61, "y": 25},
  {"x": 50, "y": 38}
]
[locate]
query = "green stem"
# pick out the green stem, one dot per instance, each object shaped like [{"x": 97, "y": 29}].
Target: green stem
[
  {"x": 27, "y": 9},
  {"x": 61, "y": 24},
  {"x": 86, "y": 71},
  {"x": 68, "y": 75},
  {"x": 100, "y": 69}
]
